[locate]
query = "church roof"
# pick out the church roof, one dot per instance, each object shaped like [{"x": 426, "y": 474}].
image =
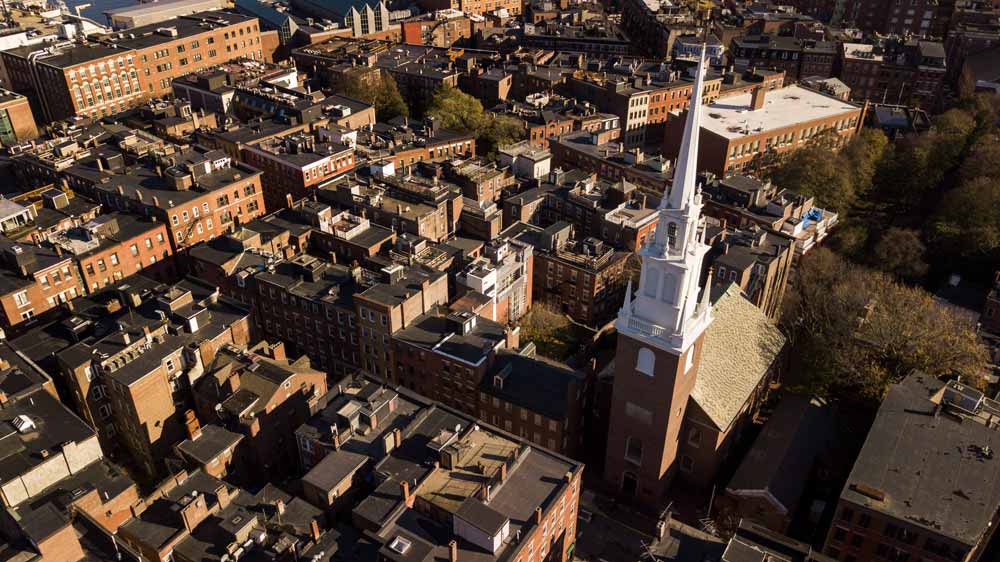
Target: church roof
[{"x": 739, "y": 347}]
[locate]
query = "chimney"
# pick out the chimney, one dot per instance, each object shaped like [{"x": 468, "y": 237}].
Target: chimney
[
  {"x": 397, "y": 436},
  {"x": 757, "y": 98},
  {"x": 503, "y": 471},
  {"x": 314, "y": 527},
  {"x": 288, "y": 198},
  {"x": 453, "y": 551},
  {"x": 192, "y": 425},
  {"x": 279, "y": 506},
  {"x": 407, "y": 497},
  {"x": 538, "y": 515},
  {"x": 3, "y": 398}
]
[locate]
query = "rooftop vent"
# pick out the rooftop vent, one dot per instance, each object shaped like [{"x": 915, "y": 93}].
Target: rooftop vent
[
  {"x": 400, "y": 545},
  {"x": 23, "y": 424}
]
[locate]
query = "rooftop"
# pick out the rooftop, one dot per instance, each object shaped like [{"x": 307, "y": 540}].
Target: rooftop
[{"x": 733, "y": 118}]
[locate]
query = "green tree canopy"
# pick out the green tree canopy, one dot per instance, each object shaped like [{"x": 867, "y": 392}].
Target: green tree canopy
[
  {"x": 855, "y": 331},
  {"x": 968, "y": 222},
  {"x": 456, "y": 110},
  {"x": 383, "y": 95},
  {"x": 900, "y": 251}
]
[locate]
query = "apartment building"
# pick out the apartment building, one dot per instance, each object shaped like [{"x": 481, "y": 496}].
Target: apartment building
[
  {"x": 615, "y": 212},
  {"x": 295, "y": 164},
  {"x": 263, "y": 396},
  {"x": 33, "y": 216},
  {"x": 401, "y": 296},
  {"x": 53, "y": 451},
  {"x": 748, "y": 133},
  {"x": 757, "y": 260},
  {"x": 744, "y": 202},
  {"x": 595, "y": 152},
  {"x": 485, "y": 507},
  {"x": 911, "y": 72},
  {"x": 797, "y": 58},
  {"x": 34, "y": 280},
  {"x": 584, "y": 278},
  {"x": 196, "y": 192},
  {"x": 128, "y": 378},
  {"x": 415, "y": 205},
  {"x": 17, "y": 122},
  {"x": 110, "y": 248},
  {"x": 497, "y": 284},
  {"x": 915, "y": 432},
  {"x": 187, "y": 44},
  {"x": 89, "y": 79},
  {"x": 125, "y": 68}
]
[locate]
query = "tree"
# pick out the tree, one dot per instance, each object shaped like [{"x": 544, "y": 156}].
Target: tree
[
  {"x": 461, "y": 112},
  {"x": 968, "y": 223},
  {"x": 983, "y": 161},
  {"x": 864, "y": 154},
  {"x": 816, "y": 171},
  {"x": 382, "y": 94},
  {"x": 855, "y": 331},
  {"x": 499, "y": 132},
  {"x": 900, "y": 251},
  {"x": 552, "y": 333},
  {"x": 389, "y": 103},
  {"x": 456, "y": 110}
]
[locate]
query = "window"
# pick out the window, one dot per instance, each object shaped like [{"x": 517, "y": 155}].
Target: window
[
  {"x": 633, "y": 450},
  {"x": 114, "y": 258},
  {"x": 21, "y": 298},
  {"x": 645, "y": 361},
  {"x": 694, "y": 437},
  {"x": 687, "y": 463}
]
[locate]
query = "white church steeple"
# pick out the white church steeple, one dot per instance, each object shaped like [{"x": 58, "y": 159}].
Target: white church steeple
[{"x": 667, "y": 311}]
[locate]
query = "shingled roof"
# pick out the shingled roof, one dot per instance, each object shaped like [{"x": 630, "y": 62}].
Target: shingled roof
[{"x": 740, "y": 346}]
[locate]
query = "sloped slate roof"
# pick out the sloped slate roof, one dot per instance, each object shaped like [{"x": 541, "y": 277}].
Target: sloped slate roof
[{"x": 739, "y": 347}]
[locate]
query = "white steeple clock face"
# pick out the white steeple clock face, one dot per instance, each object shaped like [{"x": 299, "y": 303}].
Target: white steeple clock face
[{"x": 667, "y": 311}]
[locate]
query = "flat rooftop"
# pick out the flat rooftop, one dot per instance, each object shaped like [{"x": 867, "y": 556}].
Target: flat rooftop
[{"x": 732, "y": 117}]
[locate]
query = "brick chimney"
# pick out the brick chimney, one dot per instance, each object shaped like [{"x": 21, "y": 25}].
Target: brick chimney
[
  {"x": 453, "y": 550},
  {"x": 192, "y": 425},
  {"x": 538, "y": 515},
  {"x": 314, "y": 527},
  {"x": 757, "y": 98},
  {"x": 405, "y": 487}
]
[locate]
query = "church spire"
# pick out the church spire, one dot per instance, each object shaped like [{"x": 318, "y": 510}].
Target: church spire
[{"x": 666, "y": 310}]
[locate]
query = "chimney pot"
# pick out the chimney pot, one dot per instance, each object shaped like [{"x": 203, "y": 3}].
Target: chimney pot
[{"x": 453, "y": 551}]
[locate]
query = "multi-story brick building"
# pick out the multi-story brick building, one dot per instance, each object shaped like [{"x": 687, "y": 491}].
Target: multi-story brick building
[
  {"x": 125, "y": 68},
  {"x": 127, "y": 380},
  {"x": 295, "y": 164},
  {"x": 878, "y": 517},
  {"x": 484, "y": 506},
  {"x": 614, "y": 212},
  {"x": 52, "y": 451},
  {"x": 895, "y": 72},
  {"x": 760, "y": 262},
  {"x": 749, "y": 132},
  {"x": 197, "y": 193},
  {"x": 263, "y": 396},
  {"x": 187, "y": 44},
  {"x": 595, "y": 152},
  {"x": 34, "y": 280},
  {"x": 476, "y": 7},
  {"x": 797, "y": 58},
  {"x": 744, "y": 202},
  {"x": 81, "y": 79},
  {"x": 583, "y": 278},
  {"x": 110, "y": 248},
  {"x": 17, "y": 122}
]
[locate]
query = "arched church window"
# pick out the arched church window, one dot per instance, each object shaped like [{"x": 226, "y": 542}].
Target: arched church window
[
  {"x": 672, "y": 234},
  {"x": 645, "y": 361}
]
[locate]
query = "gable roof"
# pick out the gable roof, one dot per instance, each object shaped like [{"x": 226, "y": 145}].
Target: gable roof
[{"x": 740, "y": 345}]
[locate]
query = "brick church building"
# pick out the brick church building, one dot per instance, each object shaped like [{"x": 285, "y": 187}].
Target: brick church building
[{"x": 691, "y": 366}]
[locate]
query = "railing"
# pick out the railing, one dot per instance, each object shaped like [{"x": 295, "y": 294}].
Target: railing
[{"x": 646, "y": 328}]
